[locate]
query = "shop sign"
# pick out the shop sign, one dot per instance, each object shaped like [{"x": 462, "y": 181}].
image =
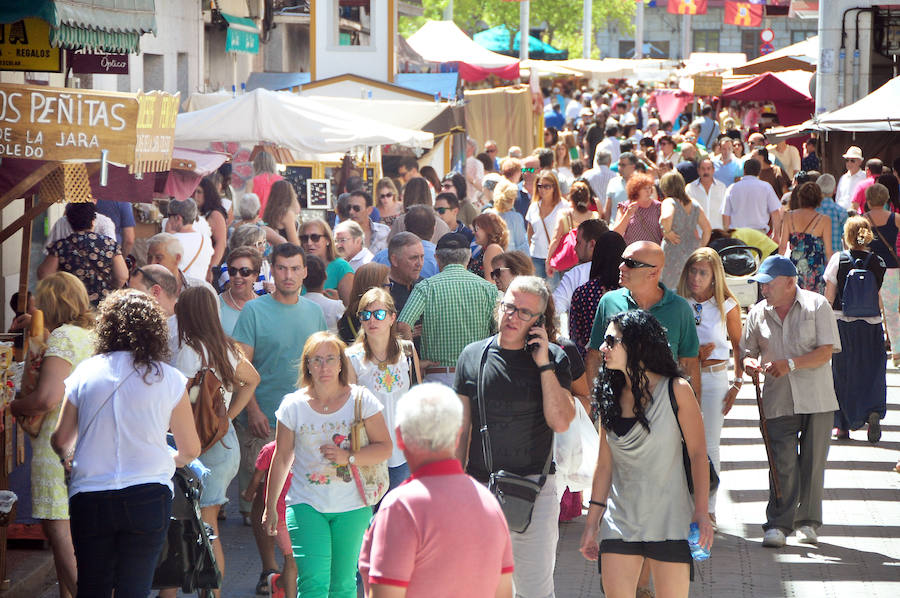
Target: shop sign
[
  {"x": 25, "y": 46},
  {"x": 155, "y": 131},
  {"x": 705, "y": 85},
  {"x": 85, "y": 62}
]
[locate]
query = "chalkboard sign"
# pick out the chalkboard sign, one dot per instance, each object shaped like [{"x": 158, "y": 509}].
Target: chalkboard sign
[
  {"x": 370, "y": 181},
  {"x": 297, "y": 177}
]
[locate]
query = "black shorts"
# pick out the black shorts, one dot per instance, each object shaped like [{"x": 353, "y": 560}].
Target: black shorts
[{"x": 667, "y": 551}]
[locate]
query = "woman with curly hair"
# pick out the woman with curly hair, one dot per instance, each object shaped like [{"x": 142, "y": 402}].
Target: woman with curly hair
[
  {"x": 111, "y": 435},
  {"x": 638, "y": 218},
  {"x": 642, "y": 441},
  {"x": 492, "y": 238}
]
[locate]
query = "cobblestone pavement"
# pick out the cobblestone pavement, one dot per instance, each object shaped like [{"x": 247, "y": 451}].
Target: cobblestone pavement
[{"x": 859, "y": 545}]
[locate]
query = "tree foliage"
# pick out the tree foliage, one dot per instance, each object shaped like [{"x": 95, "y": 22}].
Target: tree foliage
[{"x": 563, "y": 18}]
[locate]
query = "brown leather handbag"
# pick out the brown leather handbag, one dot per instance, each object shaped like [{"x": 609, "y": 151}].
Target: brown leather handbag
[{"x": 207, "y": 397}]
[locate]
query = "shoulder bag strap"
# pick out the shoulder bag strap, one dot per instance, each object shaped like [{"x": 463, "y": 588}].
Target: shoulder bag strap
[
  {"x": 479, "y": 398},
  {"x": 881, "y": 237},
  {"x": 674, "y": 404},
  {"x": 544, "y": 224},
  {"x": 199, "y": 249},
  {"x": 408, "y": 351},
  {"x": 105, "y": 401}
]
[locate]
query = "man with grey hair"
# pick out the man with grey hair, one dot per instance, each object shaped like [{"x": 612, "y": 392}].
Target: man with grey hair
[
  {"x": 407, "y": 256},
  {"x": 440, "y": 511},
  {"x": 248, "y": 207},
  {"x": 830, "y": 208},
  {"x": 349, "y": 241},
  {"x": 520, "y": 382},
  {"x": 166, "y": 249},
  {"x": 456, "y": 308},
  {"x": 156, "y": 280},
  {"x": 600, "y": 175},
  {"x": 198, "y": 247}
]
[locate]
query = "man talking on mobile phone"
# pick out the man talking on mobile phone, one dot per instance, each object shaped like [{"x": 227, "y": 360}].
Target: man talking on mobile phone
[{"x": 517, "y": 385}]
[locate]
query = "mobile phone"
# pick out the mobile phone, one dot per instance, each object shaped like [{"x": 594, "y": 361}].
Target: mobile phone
[{"x": 528, "y": 345}]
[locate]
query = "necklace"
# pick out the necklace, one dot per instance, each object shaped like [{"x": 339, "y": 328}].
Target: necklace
[
  {"x": 382, "y": 363},
  {"x": 233, "y": 302}
]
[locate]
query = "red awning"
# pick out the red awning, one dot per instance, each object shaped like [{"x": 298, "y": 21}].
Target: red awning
[
  {"x": 472, "y": 73},
  {"x": 789, "y": 91}
]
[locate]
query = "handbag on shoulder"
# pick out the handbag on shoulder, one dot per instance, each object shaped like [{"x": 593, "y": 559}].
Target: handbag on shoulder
[
  {"x": 372, "y": 481},
  {"x": 207, "y": 397}
]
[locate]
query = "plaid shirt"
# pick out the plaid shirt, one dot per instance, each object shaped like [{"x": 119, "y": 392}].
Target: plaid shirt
[
  {"x": 838, "y": 217},
  {"x": 456, "y": 307}
]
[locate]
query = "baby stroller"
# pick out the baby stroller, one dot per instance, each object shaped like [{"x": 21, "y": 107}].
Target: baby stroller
[
  {"x": 187, "y": 560},
  {"x": 740, "y": 261}
]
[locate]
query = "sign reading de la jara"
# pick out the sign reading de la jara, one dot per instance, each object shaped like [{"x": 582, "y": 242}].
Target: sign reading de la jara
[
  {"x": 47, "y": 123},
  {"x": 25, "y": 46}
]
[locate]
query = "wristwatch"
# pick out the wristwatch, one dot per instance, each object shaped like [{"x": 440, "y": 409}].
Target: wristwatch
[
  {"x": 351, "y": 459},
  {"x": 792, "y": 365}
]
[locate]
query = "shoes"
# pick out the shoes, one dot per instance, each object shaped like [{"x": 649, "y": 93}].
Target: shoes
[
  {"x": 874, "y": 428},
  {"x": 262, "y": 586},
  {"x": 644, "y": 593},
  {"x": 895, "y": 360},
  {"x": 807, "y": 535},
  {"x": 274, "y": 590},
  {"x": 246, "y": 519},
  {"x": 839, "y": 434},
  {"x": 774, "y": 538}
]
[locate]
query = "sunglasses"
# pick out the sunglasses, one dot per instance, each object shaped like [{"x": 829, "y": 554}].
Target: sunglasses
[
  {"x": 527, "y": 170},
  {"x": 545, "y": 186},
  {"x": 634, "y": 264},
  {"x": 314, "y": 237},
  {"x": 243, "y": 271},
  {"x": 611, "y": 340},
  {"x": 495, "y": 273},
  {"x": 442, "y": 211},
  {"x": 147, "y": 277},
  {"x": 366, "y": 315},
  {"x": 356, "y": 207},
  {"x": 698, "y": 309},
  {"x": 386, "y": 195}
]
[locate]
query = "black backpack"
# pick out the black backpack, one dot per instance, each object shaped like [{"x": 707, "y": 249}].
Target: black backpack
[{"x": 859, "y": 298}]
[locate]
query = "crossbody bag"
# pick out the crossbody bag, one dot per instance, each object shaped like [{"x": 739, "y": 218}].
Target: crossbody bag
[
  {"x": 713, "y": 476},
  {"x": 515, "y": 493}
]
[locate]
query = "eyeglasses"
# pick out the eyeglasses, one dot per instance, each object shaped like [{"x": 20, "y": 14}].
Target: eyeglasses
[
  {"x": 147, "y": 277},
  {"x": 698, "y": 309},
  {"x": 527, "y": 170},
  {"x": 611, "y": 340},
  {"x": 385, "y": 195},
  {"x": 243, "y": 271},
  {"x": 315, "y": 238},
  {"x": 523, "y": 314},
  {"x": 342, "y": 240},
  {"x": 356, "y": 207},
  {"x": 495, "y": 273},
  {"x": 366, "y": 315},
  {"x": 545, "y": 186},
  {"x": 634, "y": 264},
  {"x": 442, "y": 210},
  {"x": 319, "y": 362}
]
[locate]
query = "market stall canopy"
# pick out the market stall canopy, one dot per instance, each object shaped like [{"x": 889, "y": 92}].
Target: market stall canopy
[
  {"x": 295, "y": 122},
  {"x": 497, "y": 39},
  {"x": 441, "y": 85},
  {"x": 409, "y": 59},
  {"x": 547, "y": 67},
  {"x": 105, "y": 25},
  {"x": 789, "y": 91},
  {"x": 277, "y": 81},
  {"x": 802, "y": 56},
  {"x": 199, "y": 101},
  {"x": 875, "y": 112},
  {"x": 703, "y": 62},
  {"x": 670, "y": 102},
  {"x": 432, "y": 117},
  {"x": 443, "y": 42}
]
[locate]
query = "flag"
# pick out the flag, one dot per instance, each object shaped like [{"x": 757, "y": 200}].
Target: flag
[
  {"x": 687, "y": 7},
  {"x": 743, "y": 14}
]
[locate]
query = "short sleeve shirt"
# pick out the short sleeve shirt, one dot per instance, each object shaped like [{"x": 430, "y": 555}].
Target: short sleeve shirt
[
  {"x": 89, "y": 257},
  {"x": 317, "y": 482},
  {"x": 120, "y": 212},
  {"x": 263, "y": 463}
]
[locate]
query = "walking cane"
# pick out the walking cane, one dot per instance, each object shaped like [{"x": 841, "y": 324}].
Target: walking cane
[{"x": 764, "y": 428}]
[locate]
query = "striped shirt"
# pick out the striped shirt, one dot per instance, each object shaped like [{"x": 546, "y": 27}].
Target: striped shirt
[
  {"x": 838, "y": 217},
  {"x": 456, "y": 307}
]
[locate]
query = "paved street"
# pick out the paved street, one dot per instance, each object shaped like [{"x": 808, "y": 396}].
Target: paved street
[{"x": 858, "y": 554}]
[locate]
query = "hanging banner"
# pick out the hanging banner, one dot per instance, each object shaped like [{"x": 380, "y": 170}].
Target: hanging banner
[
  {"x": 686, "y": 7},
  {"x": 85, "y": 62},
  {"x": 155, "y": 131},
  {"x": 743, "y": 14},
  {"x": 25, "y": 46}
]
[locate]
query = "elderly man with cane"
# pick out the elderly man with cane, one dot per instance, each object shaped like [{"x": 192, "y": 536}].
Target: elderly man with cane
[{"x": 789, "y": 337}]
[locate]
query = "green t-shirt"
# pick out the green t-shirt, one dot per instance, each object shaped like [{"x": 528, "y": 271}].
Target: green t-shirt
[
  {"x": 672, "y": 311},
  {"x": 334, "y": 272},
  {"x": 277, "y": 333}
]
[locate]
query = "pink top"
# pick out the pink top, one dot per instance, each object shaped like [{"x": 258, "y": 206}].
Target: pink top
[
  {"x": 644, "y": 225},
  {"x": 263, "y": 462},
  {"x": 440, "y": 511},
  {"x": 262, "y": 185},
  {"x": 859, "y": 195}
]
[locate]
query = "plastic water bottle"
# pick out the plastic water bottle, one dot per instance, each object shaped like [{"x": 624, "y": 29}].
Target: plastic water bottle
[{"x": 698, "y": 553}]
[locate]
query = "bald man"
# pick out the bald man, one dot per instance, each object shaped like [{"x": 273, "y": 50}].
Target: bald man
[{"x": 639, "y": 273}]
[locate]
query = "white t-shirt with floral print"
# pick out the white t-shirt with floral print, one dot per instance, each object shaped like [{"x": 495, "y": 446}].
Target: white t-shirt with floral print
[{"x": 326, "y": 487}]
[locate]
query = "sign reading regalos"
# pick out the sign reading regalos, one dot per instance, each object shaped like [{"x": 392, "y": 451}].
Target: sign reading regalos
[
  {"x": 47, "y": 123},
  {"x": 25, "y": 46}
]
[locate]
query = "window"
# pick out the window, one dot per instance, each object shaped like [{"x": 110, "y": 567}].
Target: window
[
  {"x": 750, "y": 43},
  {"x": 800, "y": 35},
  {"x": 706, "y": 40},
  {"x": 154, "y": 76},
  {"x": 353, "y": 22}
]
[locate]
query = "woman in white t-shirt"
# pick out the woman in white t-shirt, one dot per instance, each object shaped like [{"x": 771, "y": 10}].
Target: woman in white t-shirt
[
  {"x": 717, "y": 315},
  {"x": 326, "y": 514},
  {"x": 198, "y": 247},
  {"x": 546, "y": 205},
  {"x": 385, "y": 364},
  {"x": 202, "y": 343},
  {"x": 111, "y": 434}
]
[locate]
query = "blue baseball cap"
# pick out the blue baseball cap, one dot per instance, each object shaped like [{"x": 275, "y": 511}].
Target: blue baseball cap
[{"x": 773, "y": 266}]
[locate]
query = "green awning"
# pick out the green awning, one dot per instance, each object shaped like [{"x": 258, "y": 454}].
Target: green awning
[
  {"x": 106, "y": 25},
  {"x": 242, "y": 34}
]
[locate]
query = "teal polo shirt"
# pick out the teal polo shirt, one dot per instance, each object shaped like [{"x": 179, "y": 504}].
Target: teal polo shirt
[{"x": 672, "y": 311}]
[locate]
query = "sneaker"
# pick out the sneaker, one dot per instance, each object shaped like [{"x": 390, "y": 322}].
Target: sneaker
[
  {"x": 807, "y": 535},
  {"x": 839, "y": 434},
  {"x": 874, "y": 428},
  {"x": 262, "y": 586},
  {"x": 774, "y": 538},
  {"x": 274, "y": 590}
]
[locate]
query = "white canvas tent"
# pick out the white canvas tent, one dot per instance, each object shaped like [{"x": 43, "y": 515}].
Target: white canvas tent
[
  {"x": 443, "y": 41},
  {"x": 800, "y": 56},
  {"x": 874, "y": 112},
  {"x": 300, "y": 124}
]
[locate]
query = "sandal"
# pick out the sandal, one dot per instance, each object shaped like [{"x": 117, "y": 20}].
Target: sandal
[
  {"x": 262, "y": 587},
  {"x": 644, "y": 593}
]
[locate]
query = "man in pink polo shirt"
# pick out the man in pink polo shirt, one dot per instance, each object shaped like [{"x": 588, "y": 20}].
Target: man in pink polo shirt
[{"x": 440, "y": 533}]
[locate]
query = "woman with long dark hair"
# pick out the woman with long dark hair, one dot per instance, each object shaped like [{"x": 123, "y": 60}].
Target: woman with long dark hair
[
  {"x": 282, "y": 212},
  {"x": 209, "y": 205},
  {"x": 604, "y": 277},
  {"x": 642, "y": 441}
]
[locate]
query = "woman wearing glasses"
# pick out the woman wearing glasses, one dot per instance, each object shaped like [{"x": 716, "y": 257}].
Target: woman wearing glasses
[
  {"x": 507, "y": 266},
  {"x": 546, "y": 206},
  {"x": 316, "y": 239},
  {"x": 388, "y": 201},
  {"x": 244, "y": 264},
  {"x": 385, "y": 364},
  {"x": 641, "y": 459},
  {"x": 492, "y": 238},
  {"x": 717, "y": 315},
  {"x": 326, "y": 516},
  {"x": 282, "y": 211},
  {"x": 368, "y": 276}
]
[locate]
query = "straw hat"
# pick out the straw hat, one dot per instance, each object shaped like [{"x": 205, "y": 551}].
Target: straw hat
[{"x": 853, "y": 152}]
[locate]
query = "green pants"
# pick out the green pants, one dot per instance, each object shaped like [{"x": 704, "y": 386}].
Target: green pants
[{"x": 326, "y": 549}]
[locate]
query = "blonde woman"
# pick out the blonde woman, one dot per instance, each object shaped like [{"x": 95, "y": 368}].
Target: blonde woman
[
  {"x": 317, "y": 239},
  {"x": 492, "y": 238},
  {"x": 505, "y": 194},
  {"x": 717, "y": 315},
  {"x": 388, "y": 201},
  {"x": 679, "y": 218},
  {"x": 563, "y": 164},
  {"x": 385, "y": 364},
  {"x": 326, "y": 516},
  {"x": 543, "y": 213},
  {"x": 859, "y": 370},
  {"x": 264, "y": 176}
]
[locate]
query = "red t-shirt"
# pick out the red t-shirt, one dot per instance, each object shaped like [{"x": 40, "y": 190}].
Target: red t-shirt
[
  {"x": 439, "y": 534},
  {"x": 262, "y": 185},
  {"x": 263, "y": 462}
]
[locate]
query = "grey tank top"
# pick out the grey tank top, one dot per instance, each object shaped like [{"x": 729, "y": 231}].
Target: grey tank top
[{"x": 648, "y": 499}]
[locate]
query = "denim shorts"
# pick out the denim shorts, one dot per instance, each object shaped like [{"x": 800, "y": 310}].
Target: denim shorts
[{"x": 223, "y": 461}]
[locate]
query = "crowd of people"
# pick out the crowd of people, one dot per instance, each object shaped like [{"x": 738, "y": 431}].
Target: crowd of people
[{"x": 458, "y": 324}]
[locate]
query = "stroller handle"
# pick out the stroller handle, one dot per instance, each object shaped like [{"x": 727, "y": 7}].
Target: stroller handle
[{"x": 740, "y": 248}]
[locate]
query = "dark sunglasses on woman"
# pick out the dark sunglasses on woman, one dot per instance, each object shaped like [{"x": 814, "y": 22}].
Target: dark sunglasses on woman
[
  {"x": 366, "y": 315},
  {"x": 243, "y": 271},
  {"x": 314, "y": 237}
]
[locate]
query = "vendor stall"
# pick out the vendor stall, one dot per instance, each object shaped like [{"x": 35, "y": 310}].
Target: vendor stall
[{"x": 443, "y": 42}]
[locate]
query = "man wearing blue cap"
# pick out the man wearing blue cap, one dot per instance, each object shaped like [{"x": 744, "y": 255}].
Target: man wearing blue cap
[{"x": 789, "y": 337}]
